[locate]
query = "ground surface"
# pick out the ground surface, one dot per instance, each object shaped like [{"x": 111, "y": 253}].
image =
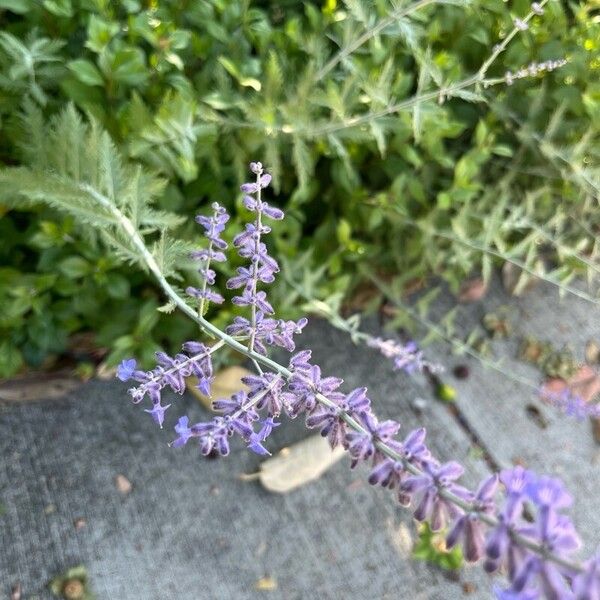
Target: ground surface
[{"x": 191, "y": 529}]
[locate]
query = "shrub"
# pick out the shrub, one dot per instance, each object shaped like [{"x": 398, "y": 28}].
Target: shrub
[{"x": 449, "y": 186}]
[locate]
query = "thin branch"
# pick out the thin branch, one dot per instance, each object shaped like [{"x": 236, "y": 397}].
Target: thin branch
[{"x": 395, "y": 15}]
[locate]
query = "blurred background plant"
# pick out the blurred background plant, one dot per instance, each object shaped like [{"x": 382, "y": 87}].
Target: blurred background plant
[{"x": 323, "y": 93}]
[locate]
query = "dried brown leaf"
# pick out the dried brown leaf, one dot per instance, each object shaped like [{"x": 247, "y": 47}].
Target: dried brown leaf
[
  {"x": 472, "y": 290},
  {"x": 585, "y": 384}
]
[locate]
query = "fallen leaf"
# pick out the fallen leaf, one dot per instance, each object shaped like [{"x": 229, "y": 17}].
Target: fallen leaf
[
  {"x": 226, "y": 383},
  {"x": 123, "y": 484},
  {"x": 472, "y": 290},
  {"x": 585, "y": 384},
  {"x": 266, "y": 584},
  {"x": 298, "y": 464},
  {"x": 592, "y": 353}
]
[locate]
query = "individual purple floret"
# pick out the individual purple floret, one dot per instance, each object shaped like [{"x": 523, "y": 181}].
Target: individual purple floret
[
  {"x": 157, "y": 412},
  {"x": 361, "y": 445},
  {"x": 424, "y": 490},
  {"x": 126, "y": 369},
  {"x": 469, "y": 527},
  {"x": 406, "y": 357},
  {"x": 213, "y": 435},
  {"x": 183, "y": 432},
  {"x": 500, "y": 546}
]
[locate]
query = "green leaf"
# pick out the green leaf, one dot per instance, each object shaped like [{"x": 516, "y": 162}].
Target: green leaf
[
  {"x": 74, "y": 266},
  {"x": 17, "y": 6},
  {"x": 86, "y": 72},
  {"x": 11, "y": 359},
  {"x": 100, "y": 33}
]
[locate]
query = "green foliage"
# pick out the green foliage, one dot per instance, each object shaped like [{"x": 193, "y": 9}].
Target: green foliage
[
  {"x": 431, "y": 547},
  {"x": 180, "y": 96}
]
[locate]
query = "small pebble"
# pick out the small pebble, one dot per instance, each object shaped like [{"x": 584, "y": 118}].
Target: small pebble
[
  {"x": 16, "y": 592},
  {"x": 420, "y": 404},
  {"x": 123, "y": 484},
  {"x": 468, "y": 587},
  {"x": 461, "y": 371}
]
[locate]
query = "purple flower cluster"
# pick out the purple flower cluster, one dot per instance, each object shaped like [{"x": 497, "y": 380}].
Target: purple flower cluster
[
  {"x": 406, "y": 357},
  {"x": 170, "y": 372},
  {"x": 527, "y": 536},
  {"x": 262, "y": 330},
  {"x": 213, "y": 226}
]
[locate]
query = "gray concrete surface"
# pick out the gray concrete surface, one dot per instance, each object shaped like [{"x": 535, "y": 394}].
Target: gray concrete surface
[{"x": 191, "y": 529}]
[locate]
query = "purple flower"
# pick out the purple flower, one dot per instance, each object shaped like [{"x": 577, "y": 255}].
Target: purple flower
[
  {"x": 586, "y": 585},
  {"x": 306, "y": 384},
  {"x": 500, "y": 546},
  {"x": 267, "y": 426},
  {"x": 549, "y": 492},
  {"x": 530, "y": 594},
  {"x": 331, "y": 423},
  {"x": 126, "y": 369},
  {"x": 158, "y": 413},
  {"x": 357, "y": 402},
  {"x": 406, "y": 357},
  {"x": 424, "y": 491},
  {"x": 283, "y": 336},
  {"x": 362, "y": 444},
  {"x": 172, "y": 372},
  {"x": 301, "y": 361},
  {"x": 236, "y": 405},
  {"x": 256, "y": 446},
  {"x": 469, "y": 527},
  {"x": 214, "y": 226},
  {"x": 387, "y": 473},
  {"x": 524, "y": 542},
  {"x": 266, "y": 391},
  {"x": 184, "y": 433},
  {"x": 258, "y": 299},
  {"x": 213, "y": 436},
  {"x": 205, "y": 294}
]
